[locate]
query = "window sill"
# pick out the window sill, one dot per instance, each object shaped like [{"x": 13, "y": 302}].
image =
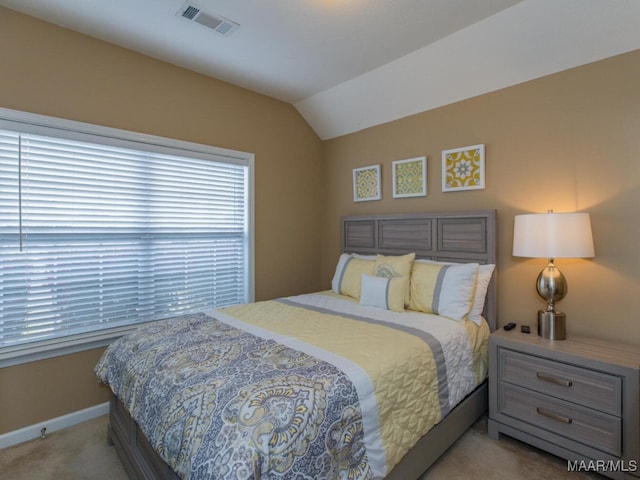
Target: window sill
[{"x": 32, "y": 352}]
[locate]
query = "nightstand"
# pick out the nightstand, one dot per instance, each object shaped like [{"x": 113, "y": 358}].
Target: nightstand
[{"x": 577, "y": 398}]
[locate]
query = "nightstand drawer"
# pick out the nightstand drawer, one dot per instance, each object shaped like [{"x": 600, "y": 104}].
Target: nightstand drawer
[
  {"x": 590, "y": 427},
  {"x": 579, "y": 385}
]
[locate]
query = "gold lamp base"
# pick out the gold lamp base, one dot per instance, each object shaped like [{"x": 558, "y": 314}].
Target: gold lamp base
[{"x": 552, "y": 325}]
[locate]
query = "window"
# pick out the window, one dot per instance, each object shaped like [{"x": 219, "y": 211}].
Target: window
[{"x": 102, "y": 229}]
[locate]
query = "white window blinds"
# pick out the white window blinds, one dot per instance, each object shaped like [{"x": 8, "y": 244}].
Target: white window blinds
[{"x": 95, "y": 236}]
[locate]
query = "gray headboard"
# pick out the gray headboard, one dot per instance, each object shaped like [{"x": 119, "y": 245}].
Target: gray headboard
[{"x": 468, "y": 236}]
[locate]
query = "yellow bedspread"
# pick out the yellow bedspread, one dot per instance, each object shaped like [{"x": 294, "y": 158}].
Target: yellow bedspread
[{"x": 402, "y": 366}]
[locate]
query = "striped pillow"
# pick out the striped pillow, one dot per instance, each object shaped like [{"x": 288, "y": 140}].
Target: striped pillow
[
  {"x": 447, "y": 290},
  {"x": 348, "y": 275},
  {"x": 382, "y": 292}
]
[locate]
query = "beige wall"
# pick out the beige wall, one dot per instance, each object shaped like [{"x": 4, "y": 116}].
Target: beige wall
[
  {"x": 567, "y": 142},
  {"x": 48, "y": 70}
]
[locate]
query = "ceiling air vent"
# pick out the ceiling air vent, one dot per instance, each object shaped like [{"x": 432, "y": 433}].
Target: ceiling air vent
[{"x": 217, "y": 23}]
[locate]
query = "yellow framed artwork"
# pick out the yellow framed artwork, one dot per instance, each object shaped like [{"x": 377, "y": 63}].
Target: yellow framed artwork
[
  {"x": 463, "y": 168},
  {"x": 410, "y": 177},
  {"x": 366, "y": 184}
]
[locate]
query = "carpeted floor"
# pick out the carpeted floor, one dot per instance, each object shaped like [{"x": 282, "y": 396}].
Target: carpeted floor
[
  {"x": 81, "y": 452},
  {"x": 75, "y": 453}
]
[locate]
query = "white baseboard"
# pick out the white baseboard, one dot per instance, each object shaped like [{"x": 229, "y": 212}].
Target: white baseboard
[{"x": 33, "y": 431}]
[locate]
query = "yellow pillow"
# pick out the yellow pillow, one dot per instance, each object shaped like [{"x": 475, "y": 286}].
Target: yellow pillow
[
  {"x": 447, "y": 290},
  {"x": 348, "y": 275},
  {"x": 482, "y": 285},
  {"x": 396, "y": 266}
]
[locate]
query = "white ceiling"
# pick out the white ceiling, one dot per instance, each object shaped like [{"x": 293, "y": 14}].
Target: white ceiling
[{"x": 350, "y": 64}]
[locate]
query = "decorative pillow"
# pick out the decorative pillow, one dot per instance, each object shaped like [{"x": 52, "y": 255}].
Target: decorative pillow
[
  {"x": 482, "y": 284},
  {"x": 382, "y": 292},
  {"x": 363, "y": 257},
  {"x": 485, "y": 273},
  {"x": 337, "y": 276},
  {"x": 447, "y": 290},
  {"x": 396, "y": 266},
  {"x": 348, "y": 275}
]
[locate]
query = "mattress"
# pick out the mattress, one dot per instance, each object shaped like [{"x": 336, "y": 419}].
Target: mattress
[{"x": 311, "y": 386}]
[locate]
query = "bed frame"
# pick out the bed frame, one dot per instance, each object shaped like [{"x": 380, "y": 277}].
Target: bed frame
[{"x": 446, "y": 236}]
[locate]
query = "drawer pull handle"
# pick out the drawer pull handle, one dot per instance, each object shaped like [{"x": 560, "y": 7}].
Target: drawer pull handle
[
  {"x": 553, "y": 416},
  {"x": 557, "y": 381}
]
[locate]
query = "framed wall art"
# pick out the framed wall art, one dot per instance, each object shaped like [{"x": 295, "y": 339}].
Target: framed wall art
[
  {"x": 410, "y": 177},
  {"x": 366, "y": 183},
  {"x": 463, "y": 168}
]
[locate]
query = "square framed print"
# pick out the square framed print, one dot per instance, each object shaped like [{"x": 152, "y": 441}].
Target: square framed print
[
  {"x": 410, "y": 177},
  {"x": 366, "y": 183},
  {"x": 463, "y": 168}
]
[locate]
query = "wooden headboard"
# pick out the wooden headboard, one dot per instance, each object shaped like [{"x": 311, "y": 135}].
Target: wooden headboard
[{"x": 468, "y": 236}]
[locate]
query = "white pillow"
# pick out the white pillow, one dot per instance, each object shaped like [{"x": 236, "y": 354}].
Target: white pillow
[
  {"x": 382, "y": 292},
  {"x": 337, "y": 276},
  {"x": 482, "y": 284}
]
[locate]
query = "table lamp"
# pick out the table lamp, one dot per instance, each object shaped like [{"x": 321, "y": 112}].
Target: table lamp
[{"x": 552, "y": 235}]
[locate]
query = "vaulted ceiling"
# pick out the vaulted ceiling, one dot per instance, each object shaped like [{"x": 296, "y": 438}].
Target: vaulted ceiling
[{"x": 351, "y": 64}]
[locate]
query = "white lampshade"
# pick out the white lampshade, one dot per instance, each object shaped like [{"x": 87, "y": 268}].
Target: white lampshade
[{"x": 553, "y": 235}]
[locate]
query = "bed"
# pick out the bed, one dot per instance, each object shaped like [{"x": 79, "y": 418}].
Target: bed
[{"x": 290, "y": 424}]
